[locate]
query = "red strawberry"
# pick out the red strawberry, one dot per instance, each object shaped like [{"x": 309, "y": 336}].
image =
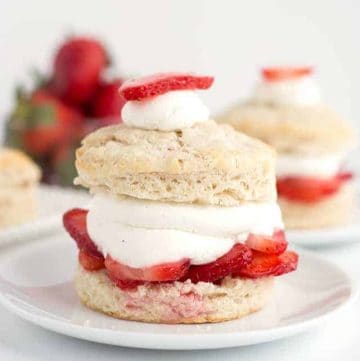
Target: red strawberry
[
  {"x": 310, "y": 189},
  {"x": 125, "y": 284},
  {"x": 157, "y": 84},
  {"x": 345, "y": 176},
  {"x": 74, "y": 222},
  {"x": 108, "y": 102},
  {"x": 239, "y": 256},
  {"x": 276, "y": 244},
  {"x": 49, "y": 123},
  {"x": 77, "y": 67},
  {"x": 91, "y": 262},
  {"x": 289, "y": 261},
  {"x": 285, "y": 73},
  {"x": 170, "y": 271},
  {"x": 269, "y": 265}
]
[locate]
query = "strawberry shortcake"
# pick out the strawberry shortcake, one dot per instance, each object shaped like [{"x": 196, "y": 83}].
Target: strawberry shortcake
[
  {"x": 183, "y": 226},
  {"x": 19, "y": 180},
  {"x": 312, "y": 142}
]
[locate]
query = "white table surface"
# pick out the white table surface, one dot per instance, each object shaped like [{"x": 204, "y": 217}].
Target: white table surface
[{"x": 338, "y": 339}]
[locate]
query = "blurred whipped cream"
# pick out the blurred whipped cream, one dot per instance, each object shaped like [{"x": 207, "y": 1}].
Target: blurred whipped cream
[
  {"x": 298, "y": 165},
  {"x": 299, "y": 92},
  {"x": 140, "y": 233},
  {"x": 170, "y": 111}
]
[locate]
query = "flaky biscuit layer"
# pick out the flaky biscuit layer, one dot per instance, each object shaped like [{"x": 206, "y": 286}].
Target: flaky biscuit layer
[
  {"x": 290, "y": 129},
  {"x": 207, "y": 163}
]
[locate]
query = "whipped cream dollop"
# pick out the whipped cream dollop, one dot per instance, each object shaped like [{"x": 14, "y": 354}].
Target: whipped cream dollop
[
  {"x": 298, "y": 165},
  {"x": 299, "y": 92},
  {"x": 170, "y": 111},
  {"x": 141, "y": 233}
]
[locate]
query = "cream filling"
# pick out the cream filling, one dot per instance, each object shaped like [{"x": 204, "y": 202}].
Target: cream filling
[
  {"x": 297, "y": 92},
  {"x": 141, "y": 233},
  {"x": 170, "y": 111},
  {"x": 296, "y": 165}
]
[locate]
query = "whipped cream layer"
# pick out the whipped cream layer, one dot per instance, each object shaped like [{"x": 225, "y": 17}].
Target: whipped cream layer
[
  {"x": 294, "y": 165},
  {"x": 141, "y": 233},
  {"x": 170, "y": 111},
  {"x": 298, "y": 92}
]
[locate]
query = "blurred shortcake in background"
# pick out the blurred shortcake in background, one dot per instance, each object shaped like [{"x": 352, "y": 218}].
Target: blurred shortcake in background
[
  {"x": 312, "y": 142},
  {"x": 19, "y": 178}
]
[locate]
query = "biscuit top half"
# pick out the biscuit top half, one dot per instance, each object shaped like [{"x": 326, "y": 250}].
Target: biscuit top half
[
  {"x": 205, "y": 163},
  {"x": 286, "y": 110},
  {"x": 310, "y": 130},
  {"x": 17, "y": 169}
]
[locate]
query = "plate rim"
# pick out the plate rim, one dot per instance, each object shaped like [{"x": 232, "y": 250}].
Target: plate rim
[
  {"x": 202, "y": 340},
  {"x": 325, "y": 237}
]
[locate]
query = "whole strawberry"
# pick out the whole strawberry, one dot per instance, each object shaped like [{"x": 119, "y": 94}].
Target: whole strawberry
[
  {"x": 77, "y": 68},
  {"x": 48, "y": 122},
  {"x": 107, "y": 102}
]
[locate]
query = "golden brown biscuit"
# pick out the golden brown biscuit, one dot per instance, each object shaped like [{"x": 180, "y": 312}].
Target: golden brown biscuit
[
  {"x": 19, "y": 178},
  {"x": 16, "y": 168},
  {"x": 207, "y": 163},
  {"x": 177, "y": 302},
  {"x": 292, "y": 129}
]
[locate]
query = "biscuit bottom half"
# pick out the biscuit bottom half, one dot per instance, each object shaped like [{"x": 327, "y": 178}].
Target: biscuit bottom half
[
  {"x": 334, "y": 210},
  {"x": 175, "y": 302}
]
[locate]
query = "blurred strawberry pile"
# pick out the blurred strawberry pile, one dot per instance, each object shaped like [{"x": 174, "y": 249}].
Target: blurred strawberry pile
[{"x": 49, "y": 122}]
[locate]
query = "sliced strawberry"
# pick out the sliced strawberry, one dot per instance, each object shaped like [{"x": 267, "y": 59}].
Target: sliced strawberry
[
  {"x": 170, "y": 271},
  {"x": 157, "y": 84},
  {"x": 345, "y": 176},
  {"x": 310, "y": 189},
  {"x": 276, "y": 244},
  {"x": 74, "y": 222},
  {"x": 289, "y": 261},
  {"x": 91, "y": 262},
  {"x": 125, "y": 284},
  {"x": 239, "y": 256},
  {"x": 285, "y": 73},
  {"x": 264, "y": 264}
]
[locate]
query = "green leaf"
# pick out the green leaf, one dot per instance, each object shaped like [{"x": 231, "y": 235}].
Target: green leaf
[
  {"x": 66, "y": 170},
  {"x": 13, "y": 138},
  {"x": 41, "y": 115}
]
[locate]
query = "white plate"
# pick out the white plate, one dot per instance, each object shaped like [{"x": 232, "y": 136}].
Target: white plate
[
  {"x": 36, "y": 284},
  {"x": 53, "y": 202},
  {"x": 325, "y": 237}
]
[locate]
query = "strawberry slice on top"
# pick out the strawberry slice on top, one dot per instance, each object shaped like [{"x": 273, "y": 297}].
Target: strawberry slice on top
[
  {"x": 161, "y": 83},
  {"x": 285, "y": 73}
]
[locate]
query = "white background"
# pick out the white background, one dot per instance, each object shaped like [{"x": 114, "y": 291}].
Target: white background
[{"x": 230, "y": 39}]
